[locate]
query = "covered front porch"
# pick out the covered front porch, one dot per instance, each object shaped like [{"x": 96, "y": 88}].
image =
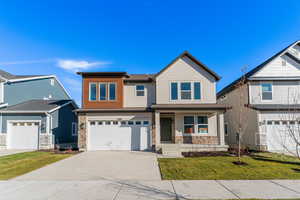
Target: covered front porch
[{"x": 189, "y": 128}]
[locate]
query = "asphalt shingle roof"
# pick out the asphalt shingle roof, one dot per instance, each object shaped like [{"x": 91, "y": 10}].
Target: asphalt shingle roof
[{"x": 36, "y": 105}]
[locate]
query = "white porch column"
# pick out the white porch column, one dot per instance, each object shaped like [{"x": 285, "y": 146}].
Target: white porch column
[
  {"x": 157, "y": 128},
  {"x": 221, "y": 128}
]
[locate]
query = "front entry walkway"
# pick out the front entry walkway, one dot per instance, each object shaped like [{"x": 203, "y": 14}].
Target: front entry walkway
[{"x": 100, "y": 165}]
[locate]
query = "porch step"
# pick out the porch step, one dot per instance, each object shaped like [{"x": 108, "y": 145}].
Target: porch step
[{"x": 171, "y": 150}]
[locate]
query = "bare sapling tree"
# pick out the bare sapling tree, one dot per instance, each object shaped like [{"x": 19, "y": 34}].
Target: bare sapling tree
[{"x": 240, "y": 121}]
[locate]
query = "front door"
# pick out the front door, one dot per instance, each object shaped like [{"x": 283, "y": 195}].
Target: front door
[{"x": 166, "y": 129}]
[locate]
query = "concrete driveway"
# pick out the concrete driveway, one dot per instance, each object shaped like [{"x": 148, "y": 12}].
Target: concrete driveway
[
  {"x": 6, "y": 152},
  {"x": 100, "y": 165}
]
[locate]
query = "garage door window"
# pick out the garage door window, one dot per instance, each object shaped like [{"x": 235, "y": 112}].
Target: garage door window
[
  {"x": 269, "y": 122},
  {"x": 92, "y": 123},
  {"x": 276, "y": 122},
  {"x": 115, "y": 122},
  {"x": 123, "y": 122},
  {"x": 138, "y": 123},
  {"x": 130, "y": 123},
  {"x": 107, "y": 122},
  {"x": 145, "y": 123},
  {"x": 100, "y": 123}
]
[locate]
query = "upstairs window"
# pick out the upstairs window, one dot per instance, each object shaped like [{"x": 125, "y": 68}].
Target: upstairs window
[
  {"x": 140, "y": 90},
  {"x": 197, "y": 90},
  {"x": 93, "y": 92},
  {"x": 266, "y": 91},
  {"x": 102, "y": 89},
  {"x": 174, "y": 91},
  {"x": 107, "y": 91},
  {"x": 112, "y": 91},
  {"x": 186, "y": 90}
]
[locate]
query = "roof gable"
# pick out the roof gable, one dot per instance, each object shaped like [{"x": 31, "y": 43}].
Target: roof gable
[
  {"x": 258, "y": 68},
  {"x": 187, "y": 54}
]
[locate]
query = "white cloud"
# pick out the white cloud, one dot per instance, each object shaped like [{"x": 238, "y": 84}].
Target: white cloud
[{"x": 77, "y": 65}]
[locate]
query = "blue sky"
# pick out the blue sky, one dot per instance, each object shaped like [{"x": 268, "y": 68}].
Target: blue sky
[{"x": 61, "y": 37}]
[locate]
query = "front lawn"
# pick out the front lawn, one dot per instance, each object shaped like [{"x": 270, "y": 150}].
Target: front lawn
[
  {"x": 21, "y": 163},
  {"x": 260, "y": 166}
]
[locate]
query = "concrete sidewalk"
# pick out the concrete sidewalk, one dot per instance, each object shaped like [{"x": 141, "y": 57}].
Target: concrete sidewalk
[{"x": 148, "y": 190}]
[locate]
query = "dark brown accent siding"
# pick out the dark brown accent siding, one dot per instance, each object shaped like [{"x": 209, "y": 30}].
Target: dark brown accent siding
[{"x": 118, "y": 103}]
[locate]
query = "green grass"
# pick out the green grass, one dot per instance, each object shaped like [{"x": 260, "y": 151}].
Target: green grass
[
  {"x": 260, "y": 166},
  {"x": 21, "y": 163}
]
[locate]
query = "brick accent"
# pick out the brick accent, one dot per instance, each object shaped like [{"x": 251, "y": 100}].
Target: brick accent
[
  {"x": 82, "y": 131},
  {"x": 196, "y": 140}
]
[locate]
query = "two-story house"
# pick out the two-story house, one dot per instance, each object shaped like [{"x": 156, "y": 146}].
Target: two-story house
[
  {"x": 36, "y": 112},
  {"x": 173, "y": 110},
  {"x": 271, "y": 93}
]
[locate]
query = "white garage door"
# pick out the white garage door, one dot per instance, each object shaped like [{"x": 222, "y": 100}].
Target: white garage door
[
  {"x": 278, "y": 138},
  {"x": 119, "y": 135},
  {"x": 22, "y": 135}
]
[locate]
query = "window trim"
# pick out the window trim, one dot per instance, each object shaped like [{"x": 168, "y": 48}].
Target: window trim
[
  {"x": 74, "y": 129},
  {"x": 261, "y": 90},
  {"x": 90, "y": 83},
  {"x": 226, "y": 129},
  {"x": 195, "y": 125},
  {"x": 136, "y": 90},
  {"x": 179, "y": 90},
  {"x": 107, "y": 90}
]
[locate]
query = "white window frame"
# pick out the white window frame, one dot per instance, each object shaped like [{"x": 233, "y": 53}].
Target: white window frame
[
  {"x": 108, "y": 91},
  {"x": 261, "y": 90},
  {"x": 196, "y": 132},
  {"x": 107, "y": 96},
  {"x": 74, "y": 129},
  {"x": 136, "y": 90},
  {"x": 90, "y": 91},
  {"x": 179, "y": 91}
]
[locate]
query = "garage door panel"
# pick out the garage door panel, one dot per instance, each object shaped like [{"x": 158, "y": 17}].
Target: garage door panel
[
  {"x": 22, "y": 135},
  {"x": 118, "y": 137},
  {"x": 278, "y": 139}
]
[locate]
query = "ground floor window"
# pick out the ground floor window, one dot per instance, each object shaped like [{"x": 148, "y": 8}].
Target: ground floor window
[
  {"x": 189, "y": 124},
  {"x": 198, "y": 123},
  {"x": 74, "y": 128}
]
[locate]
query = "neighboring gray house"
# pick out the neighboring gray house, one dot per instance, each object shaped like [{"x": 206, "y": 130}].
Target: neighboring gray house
[
  {"x": 36, "y": 112},
  {"x": 272, "y": 96}
]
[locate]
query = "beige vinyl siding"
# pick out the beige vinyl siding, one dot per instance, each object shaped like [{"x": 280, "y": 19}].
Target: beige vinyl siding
[
  {"x": 212, "y": 124},
  {"x": 231, "y": 117},
  {"x": 185, "y": 70},
  {"x": 284, "y": 92},
  {"x": 131, "y": 100}
]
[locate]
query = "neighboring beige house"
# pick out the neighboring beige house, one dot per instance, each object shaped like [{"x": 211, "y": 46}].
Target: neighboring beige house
[
  {"x": 271, "y": 103},
  {"x": 172, "y": 111}
]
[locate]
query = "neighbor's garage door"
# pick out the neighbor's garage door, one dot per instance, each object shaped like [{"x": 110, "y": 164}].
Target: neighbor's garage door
[
  {"x": 22, "y": 135},
  {"x": 119, "y": 135},
  {"x": 278, "y": 138}
]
